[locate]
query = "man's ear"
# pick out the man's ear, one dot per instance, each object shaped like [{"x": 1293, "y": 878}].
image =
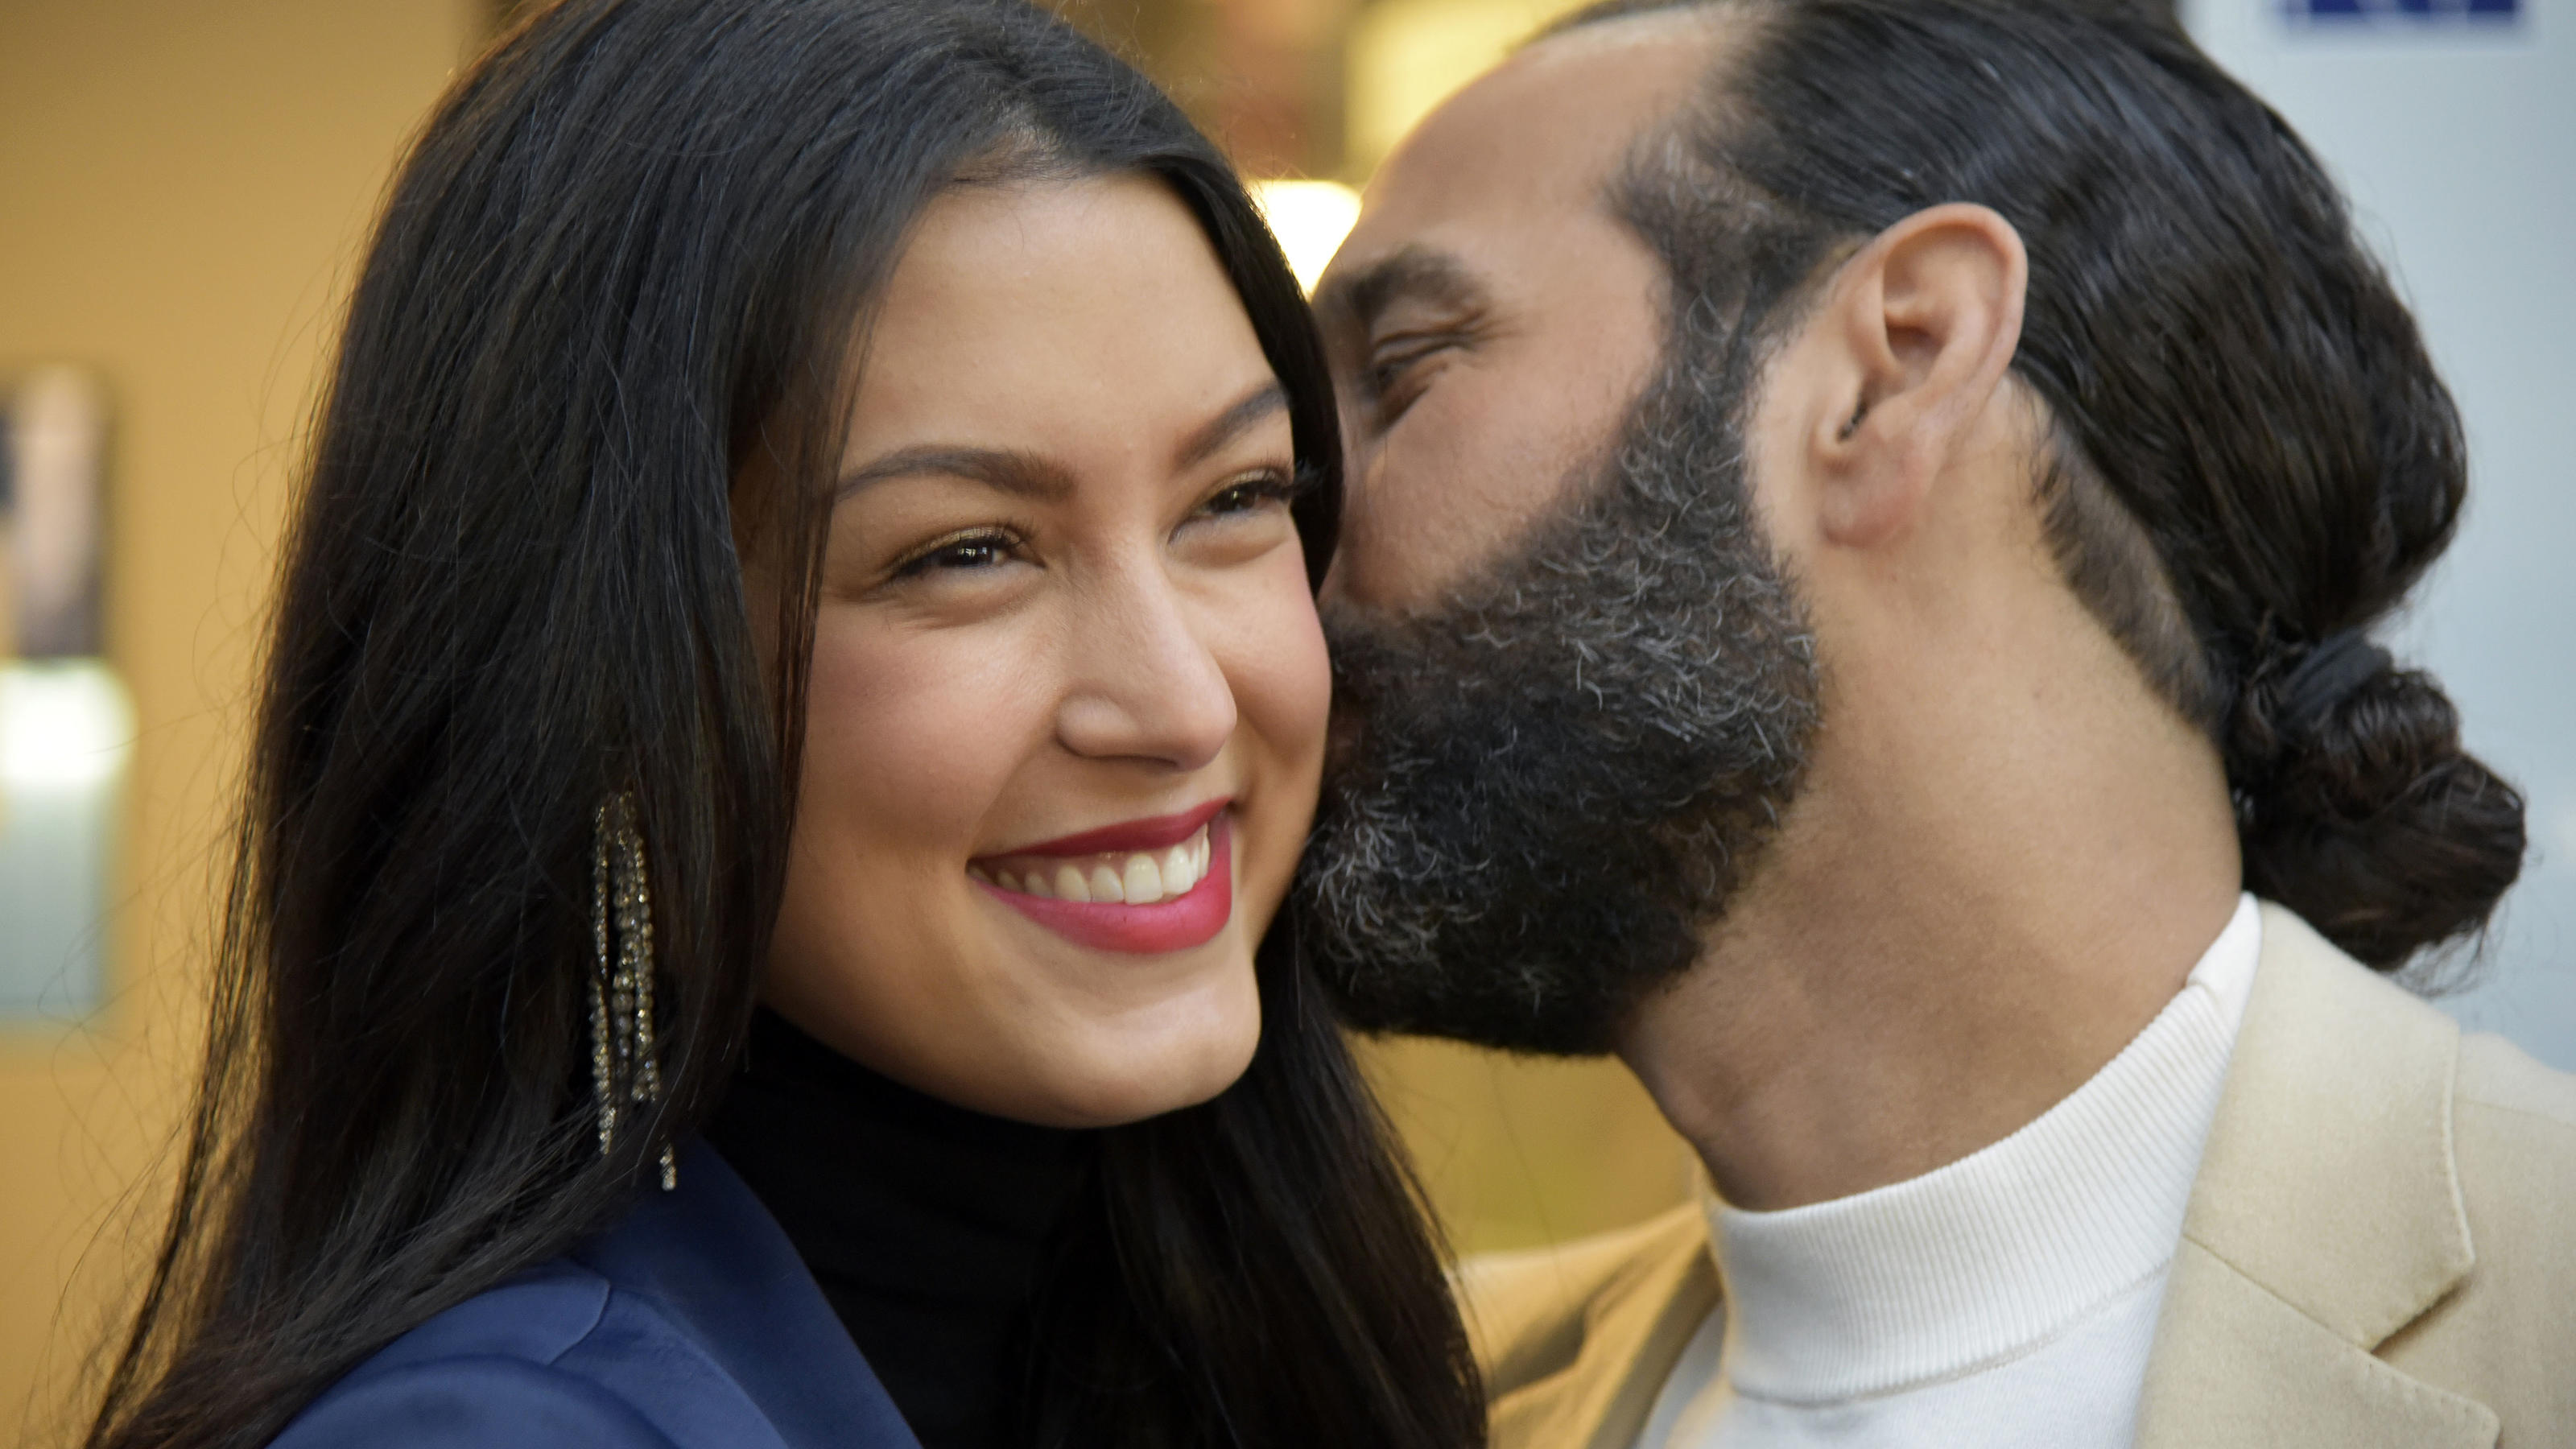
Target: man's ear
[{"x": 1920, "y": 327}]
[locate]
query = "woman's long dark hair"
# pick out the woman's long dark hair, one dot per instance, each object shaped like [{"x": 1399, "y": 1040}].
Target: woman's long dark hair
[
  {"x": 630, "y": 255},
  {"x": 2254, "y": 458}
]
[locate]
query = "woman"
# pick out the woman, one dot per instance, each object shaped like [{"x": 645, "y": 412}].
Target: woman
[{"x": 817, "y": 505}]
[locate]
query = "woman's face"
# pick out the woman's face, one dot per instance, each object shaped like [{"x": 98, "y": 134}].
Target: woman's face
[{"x": 1068, "y": 693}]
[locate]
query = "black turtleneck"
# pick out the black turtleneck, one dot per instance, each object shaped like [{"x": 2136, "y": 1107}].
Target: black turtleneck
[{"x": 926, "y": 1224}]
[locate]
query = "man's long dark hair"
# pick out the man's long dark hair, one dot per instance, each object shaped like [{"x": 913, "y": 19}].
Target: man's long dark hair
[
  {"x": 2254, "y": 458},
  {"x": 628, "y": 257}
]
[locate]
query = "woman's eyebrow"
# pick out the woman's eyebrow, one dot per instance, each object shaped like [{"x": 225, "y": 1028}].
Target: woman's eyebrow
[
  {"x": 1264, "y": 399},
  {"x": 1023, "y": 475},
  {"x": 1027, "y": 475}
]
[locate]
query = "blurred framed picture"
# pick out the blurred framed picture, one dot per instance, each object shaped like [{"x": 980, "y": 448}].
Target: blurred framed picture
[{"x": 66, "y": 723}]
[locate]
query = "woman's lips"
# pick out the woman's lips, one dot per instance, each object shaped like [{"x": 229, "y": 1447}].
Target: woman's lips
[
  {"x": 1152, "y": 834},
  {"x": 1123, "y": 900}
]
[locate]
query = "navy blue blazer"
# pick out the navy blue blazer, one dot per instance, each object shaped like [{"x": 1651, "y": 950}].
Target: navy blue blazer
[{"x": 691, "y": 1323}]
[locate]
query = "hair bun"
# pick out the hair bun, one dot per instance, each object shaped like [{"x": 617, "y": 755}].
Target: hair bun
[
  {"x": 2358, "y": 809},
  {"x": 2325, "y": 677}
]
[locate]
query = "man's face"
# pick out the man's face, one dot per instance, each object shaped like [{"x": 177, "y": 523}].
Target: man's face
[
  {"x": 1490, "y": 319},
  {"x": 1575, "y": 691}
]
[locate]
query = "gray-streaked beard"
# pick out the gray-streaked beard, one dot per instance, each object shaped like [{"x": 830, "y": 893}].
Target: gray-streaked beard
[{"x": 1543, "y": 793}]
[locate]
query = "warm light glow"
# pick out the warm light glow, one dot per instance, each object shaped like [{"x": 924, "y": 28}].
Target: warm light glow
[
  {"x": 63, "y": 724},
  {"x": 1310, "y": 218},
  {"x": 1407, "y": 56}
]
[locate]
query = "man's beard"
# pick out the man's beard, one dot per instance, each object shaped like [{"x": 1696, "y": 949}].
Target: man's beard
[{"x": 1545, "y": 792}]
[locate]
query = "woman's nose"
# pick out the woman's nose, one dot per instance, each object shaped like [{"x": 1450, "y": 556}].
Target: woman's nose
[{"x": 1144, "y": 687}]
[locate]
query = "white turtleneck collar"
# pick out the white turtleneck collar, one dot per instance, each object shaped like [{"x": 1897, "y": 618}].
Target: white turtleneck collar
[{"x": 1989, "y": 1259}]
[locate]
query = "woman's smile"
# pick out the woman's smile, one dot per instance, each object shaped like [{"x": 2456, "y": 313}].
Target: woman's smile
[{"x": 1144, "y": 886}]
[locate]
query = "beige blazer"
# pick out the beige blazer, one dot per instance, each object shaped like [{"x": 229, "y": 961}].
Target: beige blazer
[{"x": 2380, "y": 1250}]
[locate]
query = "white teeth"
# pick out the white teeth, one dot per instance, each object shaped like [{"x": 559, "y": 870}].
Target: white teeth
[
  {"x": 1144, "y": 880},
  {"x": 1180, "y": 870}
]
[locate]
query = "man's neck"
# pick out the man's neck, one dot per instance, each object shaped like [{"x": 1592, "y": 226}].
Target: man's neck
[{"x": 1961, "y": 923}]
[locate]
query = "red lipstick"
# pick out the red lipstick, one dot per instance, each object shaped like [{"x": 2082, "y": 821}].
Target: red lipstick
[
  {"x": 1149, "y": 834},
  {"x": 1078, "y": 914}
]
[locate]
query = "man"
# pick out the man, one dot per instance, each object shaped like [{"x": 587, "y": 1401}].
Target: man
[{"x": 1864, "y": 515}]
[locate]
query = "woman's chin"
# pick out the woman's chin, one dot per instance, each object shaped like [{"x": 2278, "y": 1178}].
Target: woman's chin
[{"x": 1120, "y": 1077}]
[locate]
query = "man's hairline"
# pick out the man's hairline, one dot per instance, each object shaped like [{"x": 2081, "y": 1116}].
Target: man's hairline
[
  {"x": 1682, "y": 130},
  {"x": 2060, "y": 471}
]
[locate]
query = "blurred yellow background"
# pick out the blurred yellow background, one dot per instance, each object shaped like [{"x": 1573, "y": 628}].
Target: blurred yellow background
[{"x": 183, "y": 189}]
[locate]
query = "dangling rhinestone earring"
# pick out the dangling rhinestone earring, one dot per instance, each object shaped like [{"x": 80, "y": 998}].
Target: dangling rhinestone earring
[{"x": 625, "y": 1068}]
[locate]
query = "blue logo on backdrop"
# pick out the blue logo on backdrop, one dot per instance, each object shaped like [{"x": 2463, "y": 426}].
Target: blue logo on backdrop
[{"x": 2404, "y": 12}]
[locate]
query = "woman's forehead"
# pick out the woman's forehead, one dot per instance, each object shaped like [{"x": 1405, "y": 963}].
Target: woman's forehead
[{"x": 1052, "y": 310}]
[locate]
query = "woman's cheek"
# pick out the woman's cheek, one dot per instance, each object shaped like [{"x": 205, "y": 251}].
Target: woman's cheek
[
  {"x": 917, "y": 735},
  {"x": 1283, "y": 685},
  {"x": 911, "y": 735},
  {"x": 1293, "y": 683}
]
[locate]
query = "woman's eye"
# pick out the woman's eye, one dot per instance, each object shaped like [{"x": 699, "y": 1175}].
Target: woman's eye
[
  {"x": 981, "y": 551},
  {"x": 1249, "y": 494}
]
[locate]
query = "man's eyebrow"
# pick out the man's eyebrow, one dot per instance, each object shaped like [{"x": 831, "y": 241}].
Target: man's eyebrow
[
  {"x": 1264, "y": 399},
  {"x": 1415, "y": 272},
  {"x": 1023, "y": 475}
]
